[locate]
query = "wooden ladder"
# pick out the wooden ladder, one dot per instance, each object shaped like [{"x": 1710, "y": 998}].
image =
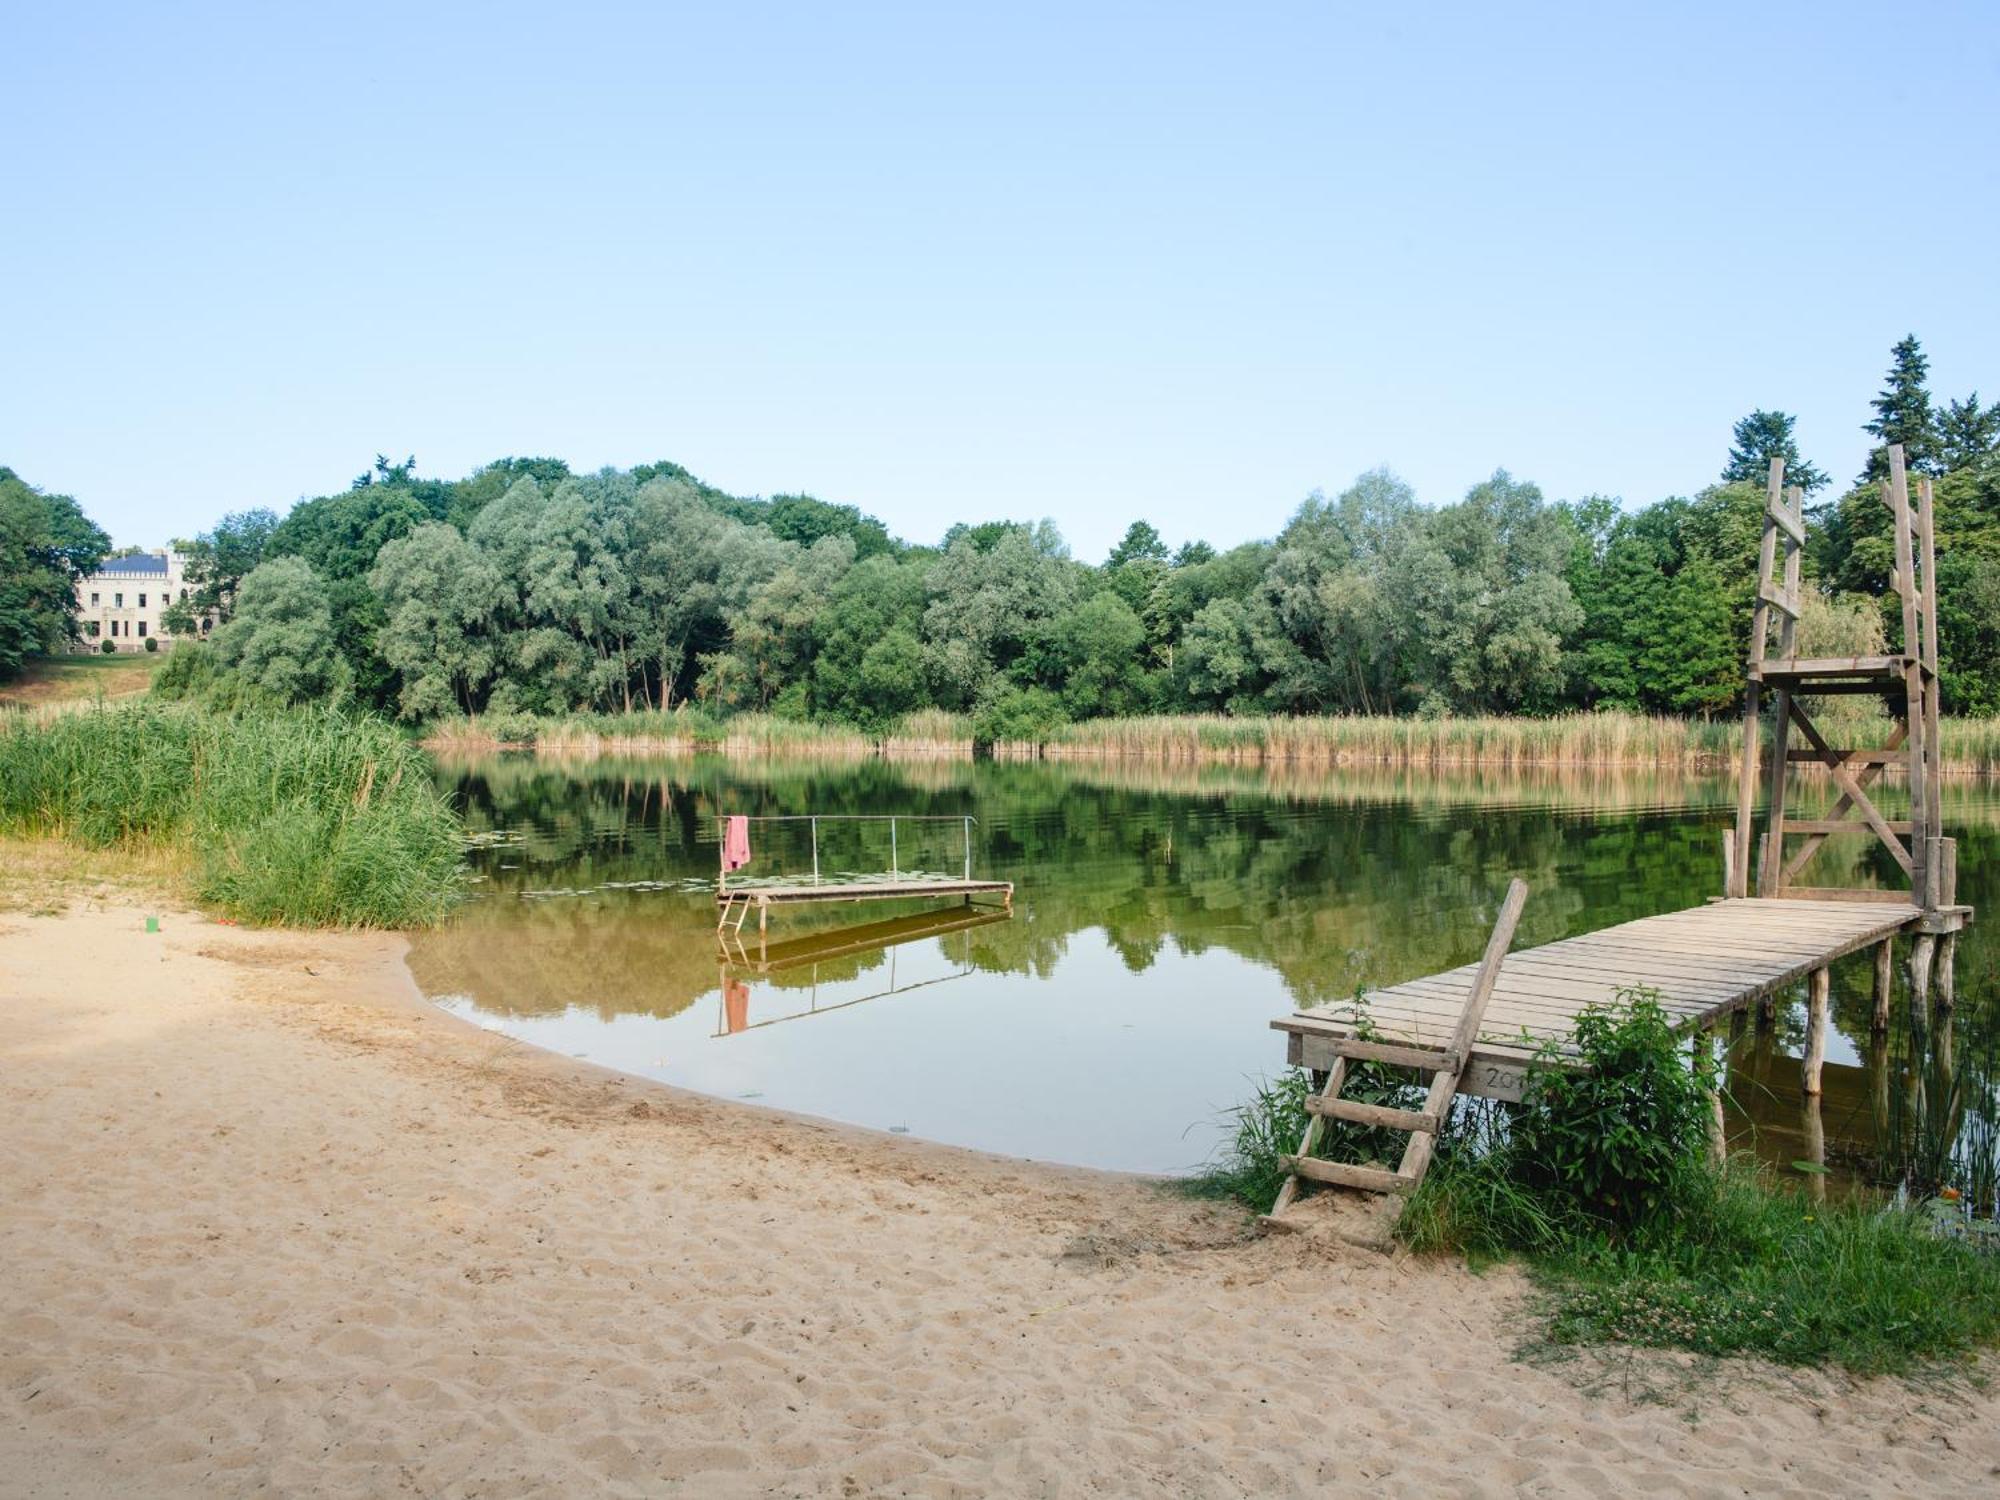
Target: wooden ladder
[{"x": 1445, "y": 1067}]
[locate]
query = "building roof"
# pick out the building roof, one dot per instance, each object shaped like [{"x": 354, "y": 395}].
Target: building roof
[{"x": 143, "y": 565}]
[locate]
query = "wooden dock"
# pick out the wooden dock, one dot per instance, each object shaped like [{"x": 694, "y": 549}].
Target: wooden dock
[
  {"x": 736, "y": 899},
  {"x": 1475, "y": 1029},
  {"x": 736, "y": 902},
  {"x": 1705, "y": 963}
]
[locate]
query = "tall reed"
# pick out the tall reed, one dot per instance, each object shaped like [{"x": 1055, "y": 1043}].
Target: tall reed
[{"x": 309, "y": 817}]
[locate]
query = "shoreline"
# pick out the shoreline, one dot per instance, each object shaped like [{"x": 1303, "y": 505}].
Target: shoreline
[{"x": 278, "y": 1223}]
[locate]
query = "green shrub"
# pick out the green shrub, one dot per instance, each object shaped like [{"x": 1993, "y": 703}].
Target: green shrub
[
  {"x": 152, "y": 643},
  {"x": 109, "y": 647},
  {"x": 1624, "y": 1137},
  {"x": 1015, "y": 715},
  {"x": 318, "y": 817}
]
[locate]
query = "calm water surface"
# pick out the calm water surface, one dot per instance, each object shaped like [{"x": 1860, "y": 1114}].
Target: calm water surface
[{"x": 1162, "y": 918}]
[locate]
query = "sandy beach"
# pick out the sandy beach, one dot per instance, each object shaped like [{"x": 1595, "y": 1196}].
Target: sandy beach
[{"x": 274, "y": 1226}]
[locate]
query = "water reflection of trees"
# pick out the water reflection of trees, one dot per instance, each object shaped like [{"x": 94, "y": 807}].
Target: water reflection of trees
[{"x": 1333, "y": 879}]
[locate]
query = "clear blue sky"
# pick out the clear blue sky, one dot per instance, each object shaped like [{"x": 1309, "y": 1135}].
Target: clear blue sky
[{"x": 1085, "y": 261}]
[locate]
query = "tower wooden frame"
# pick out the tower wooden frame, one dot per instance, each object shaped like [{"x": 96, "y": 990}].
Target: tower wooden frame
[{"x": 1906, "y": 680}]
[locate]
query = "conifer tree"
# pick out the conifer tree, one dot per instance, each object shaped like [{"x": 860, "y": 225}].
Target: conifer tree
[
  {"x": 1967, "y": 432},
  {"x": 1761, "y": 437},
  {"x": 1903, "y": 415}
]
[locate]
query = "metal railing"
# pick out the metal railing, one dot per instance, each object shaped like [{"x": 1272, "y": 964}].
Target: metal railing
[{"x": 815, "y": 819}]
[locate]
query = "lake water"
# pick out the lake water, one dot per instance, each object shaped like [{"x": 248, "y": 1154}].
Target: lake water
[{"x": 1162, "y": 918}]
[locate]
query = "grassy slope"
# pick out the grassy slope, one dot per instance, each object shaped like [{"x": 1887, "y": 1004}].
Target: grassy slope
[{"x": 49, "y": 681}]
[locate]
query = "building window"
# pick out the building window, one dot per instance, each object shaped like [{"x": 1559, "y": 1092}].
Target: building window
[
  {"x": 117, "y": 601},
  {"x": 90, "y": 629},
  {"x": 142, "y": 605},
  {"x": 142, "y": 627},
  {"x": 93, "y": 601}
]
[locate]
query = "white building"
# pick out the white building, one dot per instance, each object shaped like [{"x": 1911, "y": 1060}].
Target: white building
[{"x": 122, "y": 601}]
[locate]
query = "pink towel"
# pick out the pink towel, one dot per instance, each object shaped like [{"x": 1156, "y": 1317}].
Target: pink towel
[{"x": 735, "y": 843}]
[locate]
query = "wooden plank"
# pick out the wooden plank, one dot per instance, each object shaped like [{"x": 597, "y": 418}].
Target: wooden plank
[
  {"x": 1788, "y": 523},
  {"x": 1784, "y": 604},
  {"x": 1834, "y": 666},
  {"x": 1357, "y": 1113},
  {"x": 1853, "y": 825},
  {"x": 1429, "y": 1059},
  {"x": 1345, "y": 1174}
]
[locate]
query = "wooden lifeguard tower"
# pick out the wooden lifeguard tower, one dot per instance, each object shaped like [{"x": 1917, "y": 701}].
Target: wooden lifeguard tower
[
  {"x": 1475, "y": 1030},
  {"x": 1906, "y": 681}
]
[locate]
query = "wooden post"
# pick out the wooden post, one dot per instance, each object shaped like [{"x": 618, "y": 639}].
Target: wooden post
[
  {"x": 1885, "y": 981},
  {"x": 1898, "y": 497},
  {"x": 1704, "y": 1041},
  {"x": 1728, "y": 861},
  {"x": 1922, "y": 951},
  {"x": 1947, "y": 977},
  {"x": 1771, "y": 874},
  {"x": 1815, "y": 1134},
  {"x": 1760, "y": 619},
  {"x": 1818, "y": 991},
  {"x": 1933, "y": 817}
]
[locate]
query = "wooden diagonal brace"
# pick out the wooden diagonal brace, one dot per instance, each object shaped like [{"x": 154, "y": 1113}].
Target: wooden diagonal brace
[{"x": 1854, "y": 796}]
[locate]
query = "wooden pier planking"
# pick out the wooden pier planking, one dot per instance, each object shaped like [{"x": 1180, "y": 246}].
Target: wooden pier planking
[
  {"x": 1704, "y": 962},
  {"x": 777, "y": 894}
]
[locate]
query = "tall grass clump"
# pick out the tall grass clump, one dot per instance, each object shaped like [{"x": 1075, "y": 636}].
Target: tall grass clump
[{"x": 311, "y": 817}]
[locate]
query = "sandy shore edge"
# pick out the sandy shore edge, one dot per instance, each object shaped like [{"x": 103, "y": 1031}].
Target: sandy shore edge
[{"x": 277, "y": 1225}]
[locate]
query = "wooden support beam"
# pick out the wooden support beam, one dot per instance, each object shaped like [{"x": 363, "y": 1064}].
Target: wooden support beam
[
  {"x": 1922, "y": 951},
  {"x": 1866, "y": 778},
  {"x": 1700, "y": 1042},
  {"x": 1827, "y": 826},
  {"x": 1947, "y": 973},
  {"x": 1760, "y": 622},
  {"x": 1819, "y": 987},
  {"x": 1885, "y": 982}
]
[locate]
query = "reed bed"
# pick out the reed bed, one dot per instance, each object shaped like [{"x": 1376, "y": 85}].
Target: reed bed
[
  {"x": 1571, "y": 739},
  {"x": 306, "y": 817},
  {"x": 1608, "y": 739}
]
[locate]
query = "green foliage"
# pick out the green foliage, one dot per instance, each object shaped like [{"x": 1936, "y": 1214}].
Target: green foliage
[
  {"x": 312, "y": 817},
  {"x": 108, "y": 647},
  {"x": 1775, "y": 1274},
  {"x": 280, "y": 642},
  {"x": 46, "y": 545},
  {"x": 216, "y": 564},
  {"x": 1013, "y": 715},
  {"x": 1622, "y": 1138}
]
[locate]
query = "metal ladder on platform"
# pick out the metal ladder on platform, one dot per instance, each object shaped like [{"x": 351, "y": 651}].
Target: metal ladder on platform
[{"x": 1445, "y": 1067}]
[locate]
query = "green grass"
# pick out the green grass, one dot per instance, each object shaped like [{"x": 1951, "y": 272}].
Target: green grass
[
  {"x": 308, "y": 817},
  {"x": 1771, "y": 1272}
]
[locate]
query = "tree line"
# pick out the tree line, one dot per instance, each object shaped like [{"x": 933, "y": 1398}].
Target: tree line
[{"x": 527, "y": 588}]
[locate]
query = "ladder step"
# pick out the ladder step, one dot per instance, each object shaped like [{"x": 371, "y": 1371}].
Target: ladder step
[
  {"x": 1430, "y": 1060},
  {"x": 1345, "y": 1174},
  {"x": 1355, "y": 1112}
]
